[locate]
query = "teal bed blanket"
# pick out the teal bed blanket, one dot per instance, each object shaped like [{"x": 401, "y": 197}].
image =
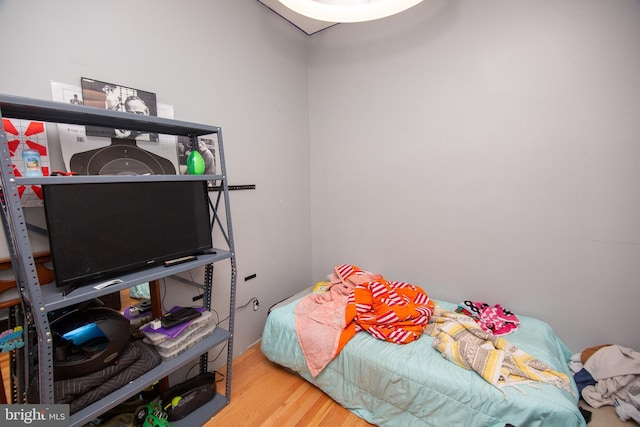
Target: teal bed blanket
[{"x": 413, "y": 385}]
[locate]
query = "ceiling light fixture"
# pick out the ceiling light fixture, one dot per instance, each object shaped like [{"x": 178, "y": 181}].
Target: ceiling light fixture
[{"x": 348, "y": 10}]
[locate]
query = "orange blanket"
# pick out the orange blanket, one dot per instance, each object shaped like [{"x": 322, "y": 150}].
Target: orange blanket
[{"x": 396, "y": 312}]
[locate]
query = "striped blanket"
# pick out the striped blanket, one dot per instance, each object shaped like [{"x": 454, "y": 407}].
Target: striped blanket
[
  {"x": 358, "y": 301},
  {"x": 391, "y": 311},
  {"x": 463, "y": 342}
]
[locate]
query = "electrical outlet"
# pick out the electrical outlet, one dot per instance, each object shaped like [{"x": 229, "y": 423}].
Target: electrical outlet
[{"x": 256, "y": 304}]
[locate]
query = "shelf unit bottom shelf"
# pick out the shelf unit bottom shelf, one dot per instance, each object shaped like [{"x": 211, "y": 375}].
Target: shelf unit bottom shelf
[
  {"x": 204, "y": 413},
  {"x": 92, "y": 411}
]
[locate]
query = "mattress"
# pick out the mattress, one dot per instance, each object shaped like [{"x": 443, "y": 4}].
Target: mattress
[{"x": 413, "y": 385}]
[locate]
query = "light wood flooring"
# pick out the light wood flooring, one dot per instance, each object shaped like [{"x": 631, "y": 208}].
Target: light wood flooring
[{"x": 264, "y": 394}]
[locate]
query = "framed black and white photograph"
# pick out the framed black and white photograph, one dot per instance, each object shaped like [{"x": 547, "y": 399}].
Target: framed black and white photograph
[{"x": 99, "y": 94}]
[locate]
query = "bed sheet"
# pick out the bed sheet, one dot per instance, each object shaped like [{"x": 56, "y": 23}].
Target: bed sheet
[{"x": 413, "y": 385}]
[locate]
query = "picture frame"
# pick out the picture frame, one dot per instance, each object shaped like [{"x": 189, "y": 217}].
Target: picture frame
[{"x": 110, "y": 96}]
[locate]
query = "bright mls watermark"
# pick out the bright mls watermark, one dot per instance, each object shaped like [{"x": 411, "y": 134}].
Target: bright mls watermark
[{"x": 34, "y": 415}]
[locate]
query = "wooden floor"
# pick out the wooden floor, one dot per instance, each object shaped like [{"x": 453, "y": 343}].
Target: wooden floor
[{"x": 264, "y": 394}]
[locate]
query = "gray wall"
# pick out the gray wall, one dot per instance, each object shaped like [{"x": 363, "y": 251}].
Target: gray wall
[
  {"x": 482, "y": 150},
  {"x": 486, "y": 150},
  {"x": 226, "y": 63}
]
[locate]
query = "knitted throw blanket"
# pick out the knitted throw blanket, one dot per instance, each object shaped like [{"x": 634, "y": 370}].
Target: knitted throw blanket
[{"x": 463, "y": 342}]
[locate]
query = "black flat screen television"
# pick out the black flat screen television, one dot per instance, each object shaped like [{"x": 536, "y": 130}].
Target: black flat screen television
[{"x": 101, "y": 230}]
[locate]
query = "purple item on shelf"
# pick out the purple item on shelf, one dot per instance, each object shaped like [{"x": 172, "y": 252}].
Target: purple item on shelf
[{"x": 176, "y": 330}]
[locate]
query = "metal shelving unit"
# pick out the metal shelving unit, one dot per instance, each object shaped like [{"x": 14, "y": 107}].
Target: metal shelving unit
[{"x": 40, "y": 299}]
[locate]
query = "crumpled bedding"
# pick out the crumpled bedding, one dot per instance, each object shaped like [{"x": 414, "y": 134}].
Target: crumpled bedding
[
  {"x": 413, "y": 385},
  {"x": 319, "y": 323},
  {"x": 136, "y": 359},
  {"x": 462, "y": 341},
  {"x": 357, "y": 301}
]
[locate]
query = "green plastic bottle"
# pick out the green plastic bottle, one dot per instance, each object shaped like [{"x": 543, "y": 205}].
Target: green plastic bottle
[{"x": 195, "y": 163}]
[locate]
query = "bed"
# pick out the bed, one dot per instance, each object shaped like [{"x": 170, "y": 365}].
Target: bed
[{"x": 412, "y": 384}]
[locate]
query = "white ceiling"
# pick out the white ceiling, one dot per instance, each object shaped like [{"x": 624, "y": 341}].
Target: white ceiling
[{"x": 307, "y": 25}]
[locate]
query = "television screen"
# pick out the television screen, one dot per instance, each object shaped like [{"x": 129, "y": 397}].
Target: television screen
[{"x": 97, "y": 231}]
